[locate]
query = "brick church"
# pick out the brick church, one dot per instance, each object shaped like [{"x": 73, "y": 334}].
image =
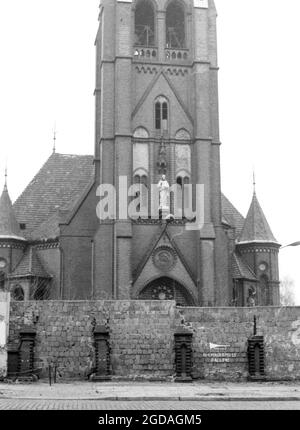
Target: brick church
[{"x": 156, "y": 103}]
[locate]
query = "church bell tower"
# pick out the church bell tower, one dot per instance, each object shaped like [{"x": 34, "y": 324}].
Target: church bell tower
[{"x": 157, "y": 114}]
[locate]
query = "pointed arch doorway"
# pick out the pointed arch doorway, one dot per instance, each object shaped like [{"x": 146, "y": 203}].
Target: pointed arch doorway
[{"x": 166, "y": 288}]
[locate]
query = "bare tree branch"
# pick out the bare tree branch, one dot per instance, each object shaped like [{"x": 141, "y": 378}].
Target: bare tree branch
[{"x": 287, "y": 292}]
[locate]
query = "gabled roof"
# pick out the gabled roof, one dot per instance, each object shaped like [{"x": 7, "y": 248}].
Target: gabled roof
[
  {"x": 9, "y": 227},
  {"x": 231, "y": 215},
  {"x": 256, "y": 227},
  {"x": 163, "y": 232},
  {"x": 58, "y": 183},
  {"x": 240, "y": 270},
  {"x": 30, "y": 265}
]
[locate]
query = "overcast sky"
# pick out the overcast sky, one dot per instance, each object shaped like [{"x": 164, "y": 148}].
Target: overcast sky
[{"x": 47, "y": 76}]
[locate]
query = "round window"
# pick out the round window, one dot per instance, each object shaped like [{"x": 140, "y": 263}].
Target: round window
[
  {"x": 3, "y": 263},
  {"x": 263, "y": 266}
]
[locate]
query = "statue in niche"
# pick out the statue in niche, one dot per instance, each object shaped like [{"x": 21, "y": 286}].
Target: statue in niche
[
  {"x": 162, "y": 159},
  {"x": 251, "y": 298},
  {"x": 164, "y": 190}
]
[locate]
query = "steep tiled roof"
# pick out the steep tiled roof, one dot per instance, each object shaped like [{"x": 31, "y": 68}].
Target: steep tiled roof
[
  {"x": 58, "y": 183},
  {"x": 49, "y": 229},
  {"x": 30, "y": 265},
  {"x": 240, "y": 270},
  {"x": 9, "y": 227},
  {"x": 256, "y": 227},
  {"x": 231, "y": 215}
]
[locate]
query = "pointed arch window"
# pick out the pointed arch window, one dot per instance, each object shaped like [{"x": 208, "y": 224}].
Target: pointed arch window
[
  {"x": 18, "y": 294},
  {"x": 184, "y": 197},
  {"x": 264, "y": 292},
  {"x": 141, "y": 171},
  {"x": 144, "y": 23},
  {"x": 175, "y": 25},
  {"x": 2, "y": 280},
  {"x": 161, "y": 114},
  {"x": 183, "y": 161}
]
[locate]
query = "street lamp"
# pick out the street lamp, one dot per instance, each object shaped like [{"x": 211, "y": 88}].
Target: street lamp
[{"x": 291, "y": 244}]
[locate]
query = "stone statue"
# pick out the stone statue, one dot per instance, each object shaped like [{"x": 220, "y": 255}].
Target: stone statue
[
  {"x": 251, "y": 298},
  {"x": 164, "y": 190}
]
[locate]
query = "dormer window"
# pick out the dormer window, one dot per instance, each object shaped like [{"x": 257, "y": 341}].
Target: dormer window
[
  {"x": 144, "y": 24},
  {"x": 175, "y": 25}
]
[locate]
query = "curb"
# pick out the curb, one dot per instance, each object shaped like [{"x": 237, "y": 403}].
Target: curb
[{"x": 206, "y": 398}]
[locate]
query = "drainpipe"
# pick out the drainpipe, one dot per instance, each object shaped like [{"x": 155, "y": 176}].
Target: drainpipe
[
  {"x": 61, "y": 280},
  {"x": 92, "y": 268}
]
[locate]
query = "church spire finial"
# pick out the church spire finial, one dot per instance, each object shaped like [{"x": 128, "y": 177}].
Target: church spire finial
[
  {"x": 5, "y": 178},
  {"x": 54, "y": 139},
  {"x": 254, "y": 182}
]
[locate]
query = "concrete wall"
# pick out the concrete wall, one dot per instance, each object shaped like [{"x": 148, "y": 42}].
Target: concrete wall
[
  {"x": 4, "y": 318},
  {"x": 142, "y": 337}
]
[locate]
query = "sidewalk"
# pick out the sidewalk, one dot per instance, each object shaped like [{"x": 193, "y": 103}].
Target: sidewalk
[{"x": 133, "y": 391}]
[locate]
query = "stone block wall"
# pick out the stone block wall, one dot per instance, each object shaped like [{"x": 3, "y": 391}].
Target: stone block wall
[
  {"x": 4, "y": 318},
  {"x": 142, "y": 338},
  {"x": 221, "y": 340},
  {"x": 141, "y": 335}
]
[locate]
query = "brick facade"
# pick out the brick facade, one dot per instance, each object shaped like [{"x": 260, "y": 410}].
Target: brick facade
[{"x": 72, "y": 254}]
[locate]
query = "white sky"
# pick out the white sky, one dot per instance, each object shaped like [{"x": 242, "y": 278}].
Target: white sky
[{"x": 47, "y": 76}]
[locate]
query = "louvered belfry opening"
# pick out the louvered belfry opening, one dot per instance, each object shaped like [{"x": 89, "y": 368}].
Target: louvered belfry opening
[
  {"x": 183, "y": 355},
  {"x": 256, "y": 357},
  {"x": 102, "y": 354},
  {"x": 144, "y": 24}
]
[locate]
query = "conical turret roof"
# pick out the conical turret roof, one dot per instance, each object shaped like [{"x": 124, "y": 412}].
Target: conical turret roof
[
  {"x": 256, "y": 227},
  {"x": 9, "y": 227}
]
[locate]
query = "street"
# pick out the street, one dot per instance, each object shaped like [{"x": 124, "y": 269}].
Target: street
[{"x": 45, "y": 404}]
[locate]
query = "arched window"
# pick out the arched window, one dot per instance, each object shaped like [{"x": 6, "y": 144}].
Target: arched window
[
  {"x": 144, "y": 24},
  {"x": 2, "y": 280},
  {"x": 175, "y": 25},
  {"x": 184, "y": 198},
  {"x": 18, "y": 294},
  {"x": 182, "y": 134},
  {"x": 143, "y": 193},
  {"x": 141, "y": 171},
  {"x": 161, "y": 114},
  {"x": 183, "y": 176},
  {"x": 167, "y": 289},
  {"x": 264, "y": 293},
  {"x": 140, "y": 133}
]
